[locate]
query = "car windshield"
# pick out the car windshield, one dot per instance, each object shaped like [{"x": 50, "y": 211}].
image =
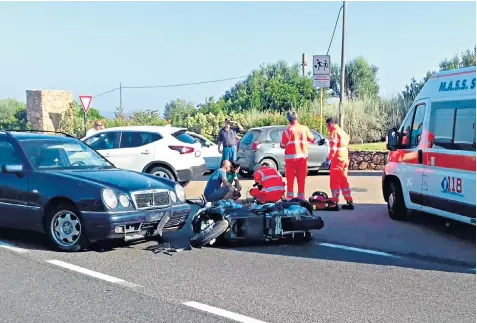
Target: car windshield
[{"x": 61, "y": 153}]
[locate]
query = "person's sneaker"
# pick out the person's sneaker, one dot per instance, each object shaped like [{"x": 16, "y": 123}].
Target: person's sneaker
[
  {"x": 332, "y": 207},
  {"x": 348, "y": 206}
]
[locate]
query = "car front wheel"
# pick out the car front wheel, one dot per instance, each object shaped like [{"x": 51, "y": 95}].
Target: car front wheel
[{"x": 65, "y": 229}]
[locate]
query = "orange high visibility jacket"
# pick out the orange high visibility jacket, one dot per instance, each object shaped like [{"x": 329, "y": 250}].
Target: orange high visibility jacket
[
  {"x": 339, "y": 141},
  {"x": 295, "y": 141},
  {"x": 270, "y": 179}
]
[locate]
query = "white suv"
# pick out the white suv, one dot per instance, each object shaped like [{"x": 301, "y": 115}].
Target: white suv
[{"x": 151, "y": 149}]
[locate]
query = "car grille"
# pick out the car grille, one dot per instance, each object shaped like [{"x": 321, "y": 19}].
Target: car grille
[
  {"x": 175, "y": 221},
  {"x": 151, "y": 199}
]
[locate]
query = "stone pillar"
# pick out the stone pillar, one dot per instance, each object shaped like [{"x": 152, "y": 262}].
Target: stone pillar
[{"x": 45, "y": 108}]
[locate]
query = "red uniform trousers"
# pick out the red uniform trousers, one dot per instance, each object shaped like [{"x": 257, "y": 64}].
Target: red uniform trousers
[
  {"x": 296, "y": 168},
  {"x": 266, "y": 197},
  {"x": 339, "y": 180}
]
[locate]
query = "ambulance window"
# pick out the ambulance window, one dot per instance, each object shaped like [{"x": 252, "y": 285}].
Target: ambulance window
[
  {"x": 464, "y": 136},
  {"x": 417, "y": 126},
  {"x": 442, "y": 126},
  {"x": 453, "y": 125},
  {"x": 406, "y": 125}
]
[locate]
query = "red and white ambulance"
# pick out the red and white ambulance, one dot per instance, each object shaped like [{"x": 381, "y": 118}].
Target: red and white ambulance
[{"x": 431, "y": 163}]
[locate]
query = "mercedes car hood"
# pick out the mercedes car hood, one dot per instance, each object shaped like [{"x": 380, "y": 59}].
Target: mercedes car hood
[{"x": 118, "y": 178}]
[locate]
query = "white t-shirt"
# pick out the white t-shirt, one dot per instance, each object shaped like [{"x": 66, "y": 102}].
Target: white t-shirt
[{"x": 91, "y": 132}]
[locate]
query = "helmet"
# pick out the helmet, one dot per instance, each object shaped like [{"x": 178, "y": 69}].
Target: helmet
[{"x": 319, "y": 200}]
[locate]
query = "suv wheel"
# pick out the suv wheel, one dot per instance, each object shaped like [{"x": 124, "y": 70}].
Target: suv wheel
[{"x": 162, "y": 172}]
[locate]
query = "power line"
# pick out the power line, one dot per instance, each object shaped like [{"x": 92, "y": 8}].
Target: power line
[
  {"x": 336, "y": 24},
  {"x": 95, "y": 96},
  {"x": 171, "y": 85}
]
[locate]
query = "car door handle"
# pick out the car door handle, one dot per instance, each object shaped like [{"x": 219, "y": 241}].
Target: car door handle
[
  {"x": 274, "y": 146},
  {"x": 145, "y": 152}
]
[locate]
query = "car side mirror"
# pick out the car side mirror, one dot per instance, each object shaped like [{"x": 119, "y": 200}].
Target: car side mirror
[
  {"x": 208, "y": 144},
  {"x": 393, "y": 140},
  {"x": 321, "y": 142},
  {"x": 12, "y": 169}
]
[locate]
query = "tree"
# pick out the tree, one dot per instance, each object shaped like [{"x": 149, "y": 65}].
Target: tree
[
  {"x": 176, "y": 107},
  {"x": 72, "y": 122},
  {"x": 12, "y": 114},
  {"x": 277, "y": 87},
  {"x": 360, "y": 79},
  {"x": 147, "y": 117}
]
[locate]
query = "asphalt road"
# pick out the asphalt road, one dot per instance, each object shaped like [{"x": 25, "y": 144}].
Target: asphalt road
[{"x": 362, "y": 267}]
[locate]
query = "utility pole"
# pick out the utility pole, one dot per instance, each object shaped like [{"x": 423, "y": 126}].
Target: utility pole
[
  {"x": 120, "y": 97},
  {"x": 303, "y": 64},
  {"x": 343, "y": 66}
]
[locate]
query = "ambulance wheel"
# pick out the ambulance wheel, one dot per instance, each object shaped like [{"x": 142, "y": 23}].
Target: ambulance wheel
[{"x": 396, "y": 206}]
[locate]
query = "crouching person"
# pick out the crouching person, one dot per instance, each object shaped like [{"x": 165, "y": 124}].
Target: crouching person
[
  {"x": 218, "y": 187},
  {"x": 269, "y": 185},
  {"x": 232, "y": 178}
]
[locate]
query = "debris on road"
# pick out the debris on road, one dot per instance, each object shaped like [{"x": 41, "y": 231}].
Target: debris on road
[{"x": 165, "y": 248}]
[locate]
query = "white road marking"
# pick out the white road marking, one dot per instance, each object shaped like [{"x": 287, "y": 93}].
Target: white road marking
[
  {"x": 92, "y": 273},
  {"x": 223, "y": 313},
  {"x": 373, "y": 252},
  {"x": 12, "y": 247}
]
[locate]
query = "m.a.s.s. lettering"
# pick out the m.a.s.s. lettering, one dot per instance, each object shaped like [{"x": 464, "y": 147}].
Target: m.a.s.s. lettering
[{"x": 459, "y": 85}]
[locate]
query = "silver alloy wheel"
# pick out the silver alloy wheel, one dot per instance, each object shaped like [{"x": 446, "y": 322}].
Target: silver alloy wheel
[
  {"x": 391, "y": 201},
  {"x": 65, "y": 228},
  {"x": 162, "y": 174}
]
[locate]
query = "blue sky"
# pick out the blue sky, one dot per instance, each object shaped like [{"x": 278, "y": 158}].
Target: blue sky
[{"x": 89, "y": 47}]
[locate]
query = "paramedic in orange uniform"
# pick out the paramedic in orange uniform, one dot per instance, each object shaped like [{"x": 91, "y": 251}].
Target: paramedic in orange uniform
[
  {"x": 271, "y": 182},
  {"x": 295, "y": 141},
  {"x": 339, "y": 160}
]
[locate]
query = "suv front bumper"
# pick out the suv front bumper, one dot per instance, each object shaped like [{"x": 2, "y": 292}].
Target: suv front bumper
[
  {"x": 133, "y": 225},
  {"x": 190, "y": 174}
]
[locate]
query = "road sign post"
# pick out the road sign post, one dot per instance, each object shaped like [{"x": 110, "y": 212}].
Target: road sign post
[
  {"x": 321, "y": 78},
  {"x": 85, "y": 102}
]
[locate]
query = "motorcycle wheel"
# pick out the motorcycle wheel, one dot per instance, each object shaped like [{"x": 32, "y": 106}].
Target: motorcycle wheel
[{"x": 213, "y": 232}]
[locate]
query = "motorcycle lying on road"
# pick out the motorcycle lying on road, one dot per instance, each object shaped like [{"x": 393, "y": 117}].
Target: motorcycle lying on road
[{"x": 228, "y": 221}]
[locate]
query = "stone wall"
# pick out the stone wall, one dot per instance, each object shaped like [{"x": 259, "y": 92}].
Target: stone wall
[
  {"x": 367, "y": 160},
  {"x": 45, "y": 108}
]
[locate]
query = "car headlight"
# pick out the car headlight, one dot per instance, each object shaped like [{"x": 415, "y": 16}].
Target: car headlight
[
  {"x": 109, "y": 198},
  {"x": 124, "y": 201},
  {"x": 173, "y": 196},
  {"x": 180, "y": 192}
]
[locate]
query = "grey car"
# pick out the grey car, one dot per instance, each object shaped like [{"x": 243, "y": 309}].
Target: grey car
[{"x": 262, "y": 144}]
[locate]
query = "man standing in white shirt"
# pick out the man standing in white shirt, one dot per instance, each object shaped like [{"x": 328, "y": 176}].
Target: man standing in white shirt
[{"x": 98, "y": 126}]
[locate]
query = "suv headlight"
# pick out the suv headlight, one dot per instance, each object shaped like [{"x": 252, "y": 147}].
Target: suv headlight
[
  {"x": 109, "y": 198},
  {"x": 180, "y": 192}
]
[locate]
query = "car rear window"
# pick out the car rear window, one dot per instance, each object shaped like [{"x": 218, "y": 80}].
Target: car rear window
[
  {"x": 184, "y": 137},
  {"x": 250, "y": 137}
]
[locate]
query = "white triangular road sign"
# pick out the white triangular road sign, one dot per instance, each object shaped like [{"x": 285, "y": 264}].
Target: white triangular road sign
[{"x": 85, "y": 102}]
